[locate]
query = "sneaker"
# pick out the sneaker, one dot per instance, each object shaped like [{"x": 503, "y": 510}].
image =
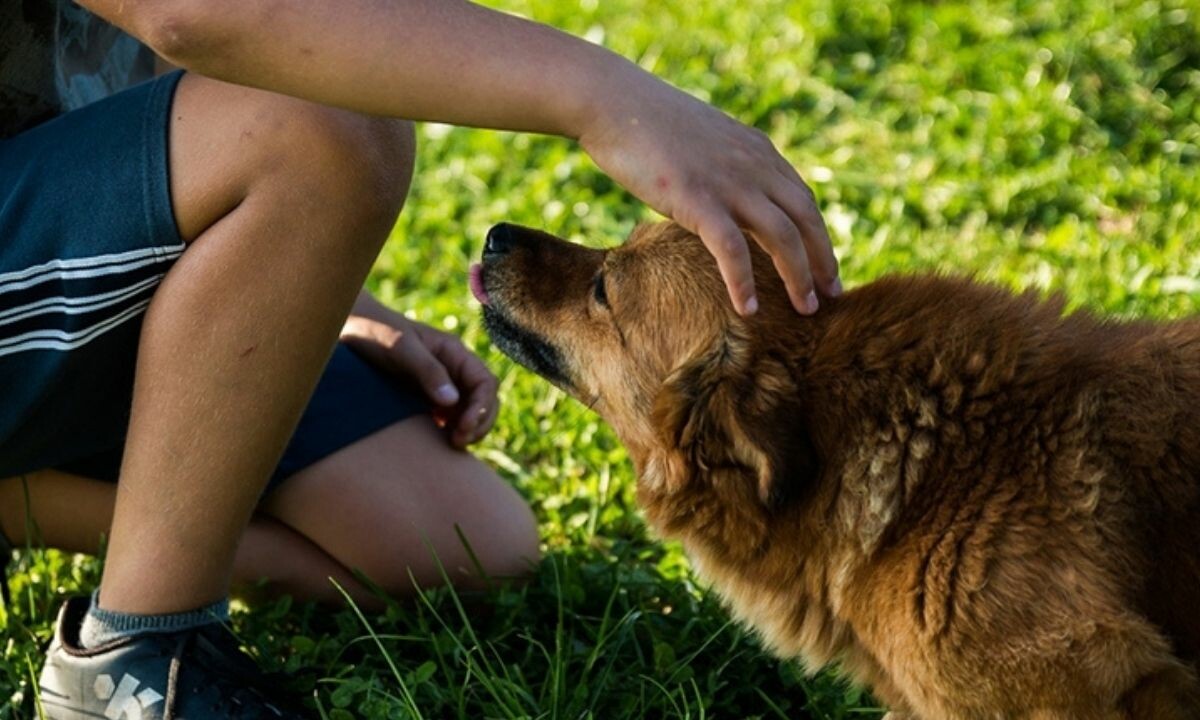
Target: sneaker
[{"x": 197, "y": 674}]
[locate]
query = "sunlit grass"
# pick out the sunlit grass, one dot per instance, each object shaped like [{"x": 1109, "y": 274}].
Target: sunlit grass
[{"x": 1048, "y": 144}]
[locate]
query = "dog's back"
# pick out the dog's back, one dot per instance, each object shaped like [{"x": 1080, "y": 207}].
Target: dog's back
[
  {"x": 1049, "y": 483},
  {"x": 1150, "y": 427}
]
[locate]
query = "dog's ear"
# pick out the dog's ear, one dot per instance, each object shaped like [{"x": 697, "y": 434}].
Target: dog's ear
[{"x": 722, "y": 411}]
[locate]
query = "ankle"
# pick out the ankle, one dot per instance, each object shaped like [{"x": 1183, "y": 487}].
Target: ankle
[{"x": 101, "y": 626}]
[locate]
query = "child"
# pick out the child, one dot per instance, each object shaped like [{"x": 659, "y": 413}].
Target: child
[{"x": 179, "y": 258}]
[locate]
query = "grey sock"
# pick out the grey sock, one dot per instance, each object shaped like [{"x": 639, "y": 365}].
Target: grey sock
[{"x": 101, "y": 626}]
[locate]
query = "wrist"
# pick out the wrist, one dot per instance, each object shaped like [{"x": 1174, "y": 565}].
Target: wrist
[
  {"x": 629, "y": 104},
  {"x": 603, "y": 94},
  {"x": 367, "y": 307},
  {"x": 360, "y": 330}
]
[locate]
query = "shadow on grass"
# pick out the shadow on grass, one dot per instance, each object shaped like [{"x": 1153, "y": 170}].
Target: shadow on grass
[{"x": 590, "y": 636}]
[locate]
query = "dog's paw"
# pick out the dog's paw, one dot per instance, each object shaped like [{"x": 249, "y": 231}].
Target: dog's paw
[{"x": 897, "y": 715}]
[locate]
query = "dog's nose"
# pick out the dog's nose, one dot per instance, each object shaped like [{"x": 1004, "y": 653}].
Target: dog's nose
[{"x": 499, "y": 240}]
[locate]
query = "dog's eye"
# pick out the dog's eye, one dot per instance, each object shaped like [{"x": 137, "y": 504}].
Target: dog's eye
[{"x": 598, "y": 291}]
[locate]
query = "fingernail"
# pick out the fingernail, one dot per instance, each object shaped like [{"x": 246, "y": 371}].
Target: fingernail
[
  {"x": 835, "y": 287},
  {"x": 810, "y": 302},
  {"x": 446, "y": 394},
  {"x": 751, "y": 305}
]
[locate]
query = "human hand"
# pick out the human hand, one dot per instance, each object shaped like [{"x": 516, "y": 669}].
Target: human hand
[
  {"x": 715, "y": 177},
  {"x": 460, "y": 386}
]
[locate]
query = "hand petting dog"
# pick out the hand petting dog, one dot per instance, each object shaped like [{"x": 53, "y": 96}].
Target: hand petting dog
[{"x": 717, "y": 178}]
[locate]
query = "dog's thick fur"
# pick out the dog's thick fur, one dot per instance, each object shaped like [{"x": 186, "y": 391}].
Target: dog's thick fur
[{"x": 980, "y": 507}]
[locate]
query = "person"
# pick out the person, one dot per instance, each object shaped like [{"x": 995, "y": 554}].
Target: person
[{"x": 181, "y": 258}]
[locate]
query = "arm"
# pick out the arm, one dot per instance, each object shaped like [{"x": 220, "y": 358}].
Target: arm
[
  {"x": 442, "y": 60},
  {"x": 366, "y": 307},
  {"x": 454, "y": 62}
]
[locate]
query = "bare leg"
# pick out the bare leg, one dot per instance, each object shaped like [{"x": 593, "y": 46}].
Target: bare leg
[
  {"x": 392, "y": 501},
  {"x": 273, "y": 560},
  {"x": 285, "y": 205},
  {"x": 74, "y": 513},
  {"x": 67, "y": 512}
]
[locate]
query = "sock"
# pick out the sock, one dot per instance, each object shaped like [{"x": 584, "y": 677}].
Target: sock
[{"x": 101, "y": 626}]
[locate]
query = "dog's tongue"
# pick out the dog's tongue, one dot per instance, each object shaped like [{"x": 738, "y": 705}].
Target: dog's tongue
[{"x": 475, "y": 280}]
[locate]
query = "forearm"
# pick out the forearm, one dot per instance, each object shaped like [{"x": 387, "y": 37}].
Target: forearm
[
  {"x": 371, "y": 329},
  {"x": 453, "y": 62},
  {"x": 367, "y": 307},
  {"x": 440, "y": 60}
]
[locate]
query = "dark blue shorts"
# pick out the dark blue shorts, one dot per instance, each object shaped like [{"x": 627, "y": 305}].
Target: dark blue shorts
[{"x": 86, "y": 235}]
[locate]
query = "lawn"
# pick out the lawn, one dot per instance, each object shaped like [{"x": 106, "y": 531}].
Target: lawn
[{"x": 1051, "y": 144}]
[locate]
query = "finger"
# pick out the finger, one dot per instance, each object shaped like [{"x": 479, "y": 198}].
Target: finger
[
  {"x": 779, "y": 236},
  {"x": 796, "y": 199},
  {"x": 431, "y": 374},
  {"x": 488, "y": 421},
  {"x": 464, "y": 366},
  {"x": 721, "y": 235},
  {"x": 478, "y": 415},
  {"x": 479, "y": 409},
  {"x": 478, "y": 384}
]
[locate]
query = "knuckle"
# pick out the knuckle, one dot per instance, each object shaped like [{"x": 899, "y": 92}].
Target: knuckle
[
  {"x": 795, "y": 189},
  {"x": 784, "y": 229},
  {"x": 732, "y": 244},
  {"x": 431, "y": 369},
  {"x": 794, "y": 256},
  {"x": 693, "y": 185},
  {"x": 395, "y": 343},
  {"x": 760, "y": 139}
]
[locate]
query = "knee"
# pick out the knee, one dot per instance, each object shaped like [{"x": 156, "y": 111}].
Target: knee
[
  {"x": 314, "y": 162},
  {"x": 499, "y": 544},
  {"x": 491, "y": 538},
  {"x": 364, "y": 161},
  {"x": 507, "y": 543}
]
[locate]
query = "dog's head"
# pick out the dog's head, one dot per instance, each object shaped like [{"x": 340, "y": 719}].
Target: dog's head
[{"x": 646, "y": 335}]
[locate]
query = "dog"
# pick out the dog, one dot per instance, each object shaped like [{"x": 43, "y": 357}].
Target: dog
[{"x": 978, "y": 506}]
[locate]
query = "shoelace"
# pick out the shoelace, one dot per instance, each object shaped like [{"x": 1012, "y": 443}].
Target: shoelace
[{"x": 239, "y": 684}]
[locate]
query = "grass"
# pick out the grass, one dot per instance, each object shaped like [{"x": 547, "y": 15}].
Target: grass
[{"x": 1049, "y": 143}]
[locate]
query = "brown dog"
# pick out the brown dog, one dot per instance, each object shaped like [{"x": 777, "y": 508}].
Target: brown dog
[{"x": 982, "y": 508}]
